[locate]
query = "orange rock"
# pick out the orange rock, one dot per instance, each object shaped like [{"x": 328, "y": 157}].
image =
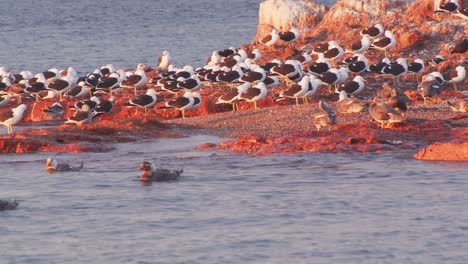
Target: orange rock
[
  {"x": 411, "y": 39},
  {"x": 456, "y": 150},
  {"x": 206, "y": 146}
]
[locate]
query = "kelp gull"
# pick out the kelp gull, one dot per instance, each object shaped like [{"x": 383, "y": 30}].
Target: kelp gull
[
  {"x": 136, "y": 81},
  {"x": 457, "y": 76},
  {"x": 256, "y": 74},
  {"x": 144, "y": 101},
  {"x": 182, "y": 103},
  {"x": 449, "y": 7},
  {"x": 164, "y": 61},
  {"x": 384, "y": 43},
  {"x": 352, "y": 87},
  {"x": 330, "y": 77},
  {"x": 289, "y": 36},
  {"x": 396, "y": 69},
  {"x": 362, "y": 45},
  {"x": 460, "y": 47},
  {"x": 270, "y": 39},
  {"x": 254, "y": 93},
  {"x": 232, "y": 97},
  {"x": 374, "y": 32},
  {"x": 298, "y": 90},
  {"x": 13, "y": 118},
  {"x": 104, "y": 107}
]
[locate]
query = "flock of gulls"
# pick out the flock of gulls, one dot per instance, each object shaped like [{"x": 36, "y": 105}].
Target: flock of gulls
[{"x": 243, "y": 78}]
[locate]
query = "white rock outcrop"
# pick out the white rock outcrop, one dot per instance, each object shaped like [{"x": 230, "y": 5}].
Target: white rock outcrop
[{"x": 284, "y": 14}]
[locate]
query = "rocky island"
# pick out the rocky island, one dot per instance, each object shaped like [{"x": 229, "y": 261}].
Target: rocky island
[{"x": 431, "y": 128}]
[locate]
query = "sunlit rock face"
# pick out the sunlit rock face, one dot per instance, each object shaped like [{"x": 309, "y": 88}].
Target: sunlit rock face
[
  {"x": 284, "y": 14},
  {"x": 416, "y": 27},
  {"x": 347, "y": 17}
]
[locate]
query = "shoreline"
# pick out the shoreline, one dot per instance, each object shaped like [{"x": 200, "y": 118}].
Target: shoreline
[{"x": 276, "y": 127}]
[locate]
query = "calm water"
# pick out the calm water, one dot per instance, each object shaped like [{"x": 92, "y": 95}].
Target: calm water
[
  {"x": 88, "y": 34},
  {"x": 227, "y": 208}
]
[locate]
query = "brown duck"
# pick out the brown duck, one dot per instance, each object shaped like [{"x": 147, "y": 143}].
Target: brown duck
[
  {"x": 383, "y": 113},
  {"x": 151, "y": 173}
]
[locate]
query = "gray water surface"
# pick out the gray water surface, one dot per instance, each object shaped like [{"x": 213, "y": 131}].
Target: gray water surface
[{"x": 230, "y": 208}]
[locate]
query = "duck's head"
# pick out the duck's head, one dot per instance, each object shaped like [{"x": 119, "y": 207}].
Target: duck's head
[
  {"x": 51, "y": 164},
  {"x": 147, "y": 166}
]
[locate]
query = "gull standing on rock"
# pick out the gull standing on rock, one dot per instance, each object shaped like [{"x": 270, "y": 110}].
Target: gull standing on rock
[
  {"x": 352, "y": 87},
  {"x": 136, "y": 81},
  {"x": 254, "y": 94},
  {"x": 430, "y": 87},
  {"x": 92, "y": 103},
  {"x": 111, "y": 83},
  {"x": 360, "y": 65},
  {"x": 416, "y": 67},
  {"x": 270, "y": 39},
  {"x": 38, "y": 86},
  {"x": 334, "y": 53},
  {"x": 144, "y": 101},
  {"x": 232, "y": 97},
  {"x": 104, "y": 107},
  {"x": 457, "y": 76},
  {"x": 396, "y": 69},
  {"x": 14, "y": 117},
  {"x": 320, "y": 66},
  {"x": 449, "y": 7},
  {"x": 313, "y": 86},
  {"x": 362, "y": 45},
  {"x": 289, "y": 36},
  {"x": 4, "y": 100},
  {"x": 330, "y": 77},
  {"x": 81, "y": 117},
  {"x": 374, "y": 32},
  {"x": 182, "y": 103},
  {"x": 297, "y": 90},
  {"x": 384, "y": 43},
  {"x": 164, "y": 61}
]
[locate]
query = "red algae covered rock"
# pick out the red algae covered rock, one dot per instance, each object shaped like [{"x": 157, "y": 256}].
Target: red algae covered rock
[
  {"x": 96, "y": 137},
  {"x": 456, "y": 150},
  {"x": 342, "y": 139}
]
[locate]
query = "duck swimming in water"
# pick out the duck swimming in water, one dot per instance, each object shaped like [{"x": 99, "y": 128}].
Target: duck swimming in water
[
  {"x": 52, "y": 165},
  {"x": 8, "y": 205},
  {"x": 151, "y": 173}
]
